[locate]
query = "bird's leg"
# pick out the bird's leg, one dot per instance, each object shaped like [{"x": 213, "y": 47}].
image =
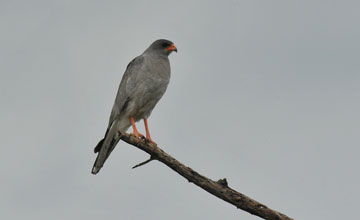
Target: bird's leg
[
  {"x": 135, "y": 131},
  {"x": 148, "y": 132}
]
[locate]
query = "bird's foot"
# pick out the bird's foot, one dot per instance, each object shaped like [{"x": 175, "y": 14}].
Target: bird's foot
[
  {"x": 137, "y": 135},
  {"x": 149, "y": 140}
]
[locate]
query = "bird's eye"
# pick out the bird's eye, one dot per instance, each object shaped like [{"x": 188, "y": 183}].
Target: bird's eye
[{"x": 165, "y": 45}]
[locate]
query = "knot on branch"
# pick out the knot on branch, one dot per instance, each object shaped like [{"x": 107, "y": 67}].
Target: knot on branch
[{"x": 223, "y": 182}]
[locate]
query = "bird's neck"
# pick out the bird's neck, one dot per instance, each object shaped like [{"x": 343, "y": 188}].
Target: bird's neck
[{"x": 155, "y": 55}]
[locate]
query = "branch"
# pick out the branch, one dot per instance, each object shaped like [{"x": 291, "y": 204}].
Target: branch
[
  {"x": 143, "y": 163},
  {"x": 218, "y": 188}
]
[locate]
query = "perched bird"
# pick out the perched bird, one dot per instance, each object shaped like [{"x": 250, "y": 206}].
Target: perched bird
[{"x": 143, "y": 84}]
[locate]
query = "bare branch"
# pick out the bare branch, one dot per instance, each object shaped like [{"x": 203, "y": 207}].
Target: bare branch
[{"x": 218, "y": 188}]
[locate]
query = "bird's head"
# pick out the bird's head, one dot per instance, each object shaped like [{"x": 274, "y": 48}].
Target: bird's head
[{"x": 162, "y": 46}]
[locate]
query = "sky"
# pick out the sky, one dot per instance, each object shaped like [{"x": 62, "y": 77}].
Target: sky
[{"x": 263, "y": 93}]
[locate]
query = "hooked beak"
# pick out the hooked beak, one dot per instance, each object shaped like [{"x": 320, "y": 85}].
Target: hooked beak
[{"x": 172, "y": 48}]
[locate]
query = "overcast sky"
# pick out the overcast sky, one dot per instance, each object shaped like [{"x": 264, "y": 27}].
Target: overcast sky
[{"x": 264, "y": 93}]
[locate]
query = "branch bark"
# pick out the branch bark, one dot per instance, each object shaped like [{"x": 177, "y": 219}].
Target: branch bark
[{"x": 218, "y": 188}]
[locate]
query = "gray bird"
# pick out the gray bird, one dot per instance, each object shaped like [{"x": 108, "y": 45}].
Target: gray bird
[{"x": 143, "y": 84}]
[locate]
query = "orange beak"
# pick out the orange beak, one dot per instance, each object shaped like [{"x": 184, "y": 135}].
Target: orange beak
[{"x": 172, "y": 48}]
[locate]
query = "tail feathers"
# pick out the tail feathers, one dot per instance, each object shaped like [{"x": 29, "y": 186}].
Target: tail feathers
[
  {"x": 95, "y": 170},
  {"x": 98, "y": 146},
  {"x": 106, "y": 146},
  {"x": 97, "y": 149},
  {"x": 104, "y": 153}
]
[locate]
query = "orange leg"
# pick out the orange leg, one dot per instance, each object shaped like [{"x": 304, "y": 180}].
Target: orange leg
[
  {"x": 147, "y": 131},
  {"x": 135, "y": 133}
]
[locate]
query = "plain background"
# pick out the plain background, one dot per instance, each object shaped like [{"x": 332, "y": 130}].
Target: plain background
[{"x": 264, "y": 93}]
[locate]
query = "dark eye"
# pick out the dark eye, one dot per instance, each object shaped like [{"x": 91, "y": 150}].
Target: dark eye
[{"x": 165, "y": 45}]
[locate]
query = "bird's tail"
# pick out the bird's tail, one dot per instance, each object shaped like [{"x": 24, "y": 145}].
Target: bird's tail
[{"x": 105, "y": 147}]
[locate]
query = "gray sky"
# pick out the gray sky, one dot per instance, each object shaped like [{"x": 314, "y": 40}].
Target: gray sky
[{"x": 264, "y": 93}]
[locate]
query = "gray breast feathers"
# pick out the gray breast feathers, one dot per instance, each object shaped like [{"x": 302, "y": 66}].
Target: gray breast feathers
[{"x": 143, "y": 84}]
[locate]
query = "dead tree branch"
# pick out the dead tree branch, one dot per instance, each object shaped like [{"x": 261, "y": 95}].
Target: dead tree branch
[{"x": 218, "y": 188}]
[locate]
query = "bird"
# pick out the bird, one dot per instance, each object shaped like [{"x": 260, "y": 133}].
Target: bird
[{"x": 144, "y": 82}]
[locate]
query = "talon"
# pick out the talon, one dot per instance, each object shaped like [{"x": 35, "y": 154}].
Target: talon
[
  {"x": 138, "y": 136},
  {"x": 148, "y": 140}
]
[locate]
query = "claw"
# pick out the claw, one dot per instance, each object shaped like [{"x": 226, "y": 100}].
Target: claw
[
  {"x": 137, "y": 135},
  {"x": 148, "y": 140}
]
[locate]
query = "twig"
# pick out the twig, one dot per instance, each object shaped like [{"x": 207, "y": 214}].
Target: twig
[
  {"x": 143, "y": 163},
  {"x": 218, "y": 188}
]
